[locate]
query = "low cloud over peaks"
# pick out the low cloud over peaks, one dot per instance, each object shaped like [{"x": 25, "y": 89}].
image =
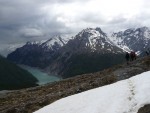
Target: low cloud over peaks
[{"x": 24, "y": 20}]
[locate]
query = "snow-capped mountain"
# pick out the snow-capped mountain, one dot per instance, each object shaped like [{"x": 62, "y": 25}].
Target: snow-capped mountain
[
  {"x": 90, "y": 50},
  {"x": 9, "y": 48},
  {"x": 93, "y": 39},
  {"x": 132, "y": 39},
  {"x": 38, "y": 53},
  {"x": 69, "y": 56},
  {"x": 53, "y": 43}
]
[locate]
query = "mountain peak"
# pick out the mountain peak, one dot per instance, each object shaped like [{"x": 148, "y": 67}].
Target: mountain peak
[
  {"x": 56, "y": 40},
  {"x": 129, "y": 31},
  {"x": 94, "y": 39},
  {"x": 35, "y": 42},
  {"x": 91, "y": 32},
  {"x": 98, "y": 29},
  {"x": 135, "y": 39},
  {"x": 144, "y": 28}
]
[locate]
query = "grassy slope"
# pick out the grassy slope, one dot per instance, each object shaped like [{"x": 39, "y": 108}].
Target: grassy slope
[
  {"x": 85, "y": 63},
  {"x": 14, "y": 77}
]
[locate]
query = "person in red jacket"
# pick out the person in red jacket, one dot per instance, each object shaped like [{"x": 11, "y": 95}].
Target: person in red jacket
[{"x": 132, "y": 55}]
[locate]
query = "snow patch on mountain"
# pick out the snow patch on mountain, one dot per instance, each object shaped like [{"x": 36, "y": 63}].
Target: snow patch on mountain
[
  {"x": 53, "y": 41},
  {"x": 35, "y": 42},
  {"x": 92, "y": 35},
  {"x": 132, "y": 39},
  {"x": 96, "y": 39}
]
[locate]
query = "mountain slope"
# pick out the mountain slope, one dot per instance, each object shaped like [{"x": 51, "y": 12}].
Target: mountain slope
[
  {"x": 89, "y": 51},
  {"x": 37, "y": 54},
  {"x": 14, "y": 77}
]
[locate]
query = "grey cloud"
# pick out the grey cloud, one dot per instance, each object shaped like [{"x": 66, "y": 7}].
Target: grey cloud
[
  {"x": 117, "y": 20},
  {"x": 62, "y": 1},
  {"x": 119, "y": 24},
  {"x": 31, "y": 32},
  {"x": 22, "y": 20},
  {"x": 19, "y": 15},
  {"x": 93, "y": 18}
]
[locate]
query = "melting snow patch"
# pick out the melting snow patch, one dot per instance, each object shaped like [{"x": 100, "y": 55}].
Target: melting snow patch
[
  {"x": 125, "y": 96},
  {"x": 109, "y": 49}
]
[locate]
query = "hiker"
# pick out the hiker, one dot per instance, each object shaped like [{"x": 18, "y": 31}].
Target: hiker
[
  {"x": 147, "y": 53},
  {"x": 127, "y": 57},
  {"x": 132, "y": 55}
]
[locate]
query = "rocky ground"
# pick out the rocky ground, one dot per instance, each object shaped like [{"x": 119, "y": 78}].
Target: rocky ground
[
  {"x": 145, "y": 109},
  {"x": 32, "y": 99}
]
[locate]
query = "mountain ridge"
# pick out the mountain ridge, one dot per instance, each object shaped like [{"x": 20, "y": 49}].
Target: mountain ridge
[
  {"x": 91, "y": 43},
  {"x": 37, "y": 54},
  {"x": 135, "y": 39},
  {"x": 88, "y": 51}
]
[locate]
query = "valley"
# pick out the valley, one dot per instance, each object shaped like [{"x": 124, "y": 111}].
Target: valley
[
  {"x": 32, "y": 99},
  {"x": 74, "y": 56},
  {"x": 88, "y": 60}
]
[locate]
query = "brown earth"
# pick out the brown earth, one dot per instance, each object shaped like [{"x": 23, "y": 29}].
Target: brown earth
[
  {"x": 32, "y": 99},
  {"x": 145, "y": 109}
]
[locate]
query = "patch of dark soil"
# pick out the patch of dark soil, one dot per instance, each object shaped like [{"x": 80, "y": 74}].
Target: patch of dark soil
[{"x": 145, "y": 109}]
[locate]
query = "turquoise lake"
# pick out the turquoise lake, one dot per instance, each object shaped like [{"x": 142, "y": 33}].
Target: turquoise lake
[{"x": 42, "y": 77}]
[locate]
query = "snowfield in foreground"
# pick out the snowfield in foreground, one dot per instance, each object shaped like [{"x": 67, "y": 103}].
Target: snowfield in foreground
[{"x": 125, "y": 96}]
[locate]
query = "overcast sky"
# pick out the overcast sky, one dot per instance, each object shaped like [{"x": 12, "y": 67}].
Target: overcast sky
[{"x": 24, "y": 20}]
